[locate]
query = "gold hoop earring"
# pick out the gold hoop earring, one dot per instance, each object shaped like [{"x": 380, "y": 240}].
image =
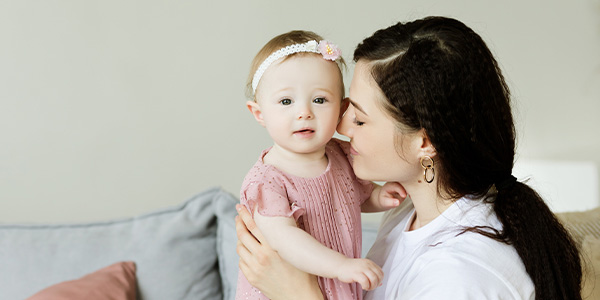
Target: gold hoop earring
[{"x": 427, "y": 164}]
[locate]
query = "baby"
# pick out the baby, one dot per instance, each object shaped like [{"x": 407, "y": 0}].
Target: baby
[{"x": 302, "y": 191}]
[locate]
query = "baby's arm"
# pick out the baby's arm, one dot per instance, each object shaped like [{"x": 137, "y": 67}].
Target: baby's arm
[
  {"x": 390, "y": 195},
  {"x": 301, "y": 250}
]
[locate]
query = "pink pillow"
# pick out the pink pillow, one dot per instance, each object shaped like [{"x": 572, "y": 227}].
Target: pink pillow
[{"x": 114, "y": 282}]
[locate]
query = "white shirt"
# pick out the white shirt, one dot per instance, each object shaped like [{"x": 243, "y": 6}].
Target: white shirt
[{"x": 433, "y": 263}]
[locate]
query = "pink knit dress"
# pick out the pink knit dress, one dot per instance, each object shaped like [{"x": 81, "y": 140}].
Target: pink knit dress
[{"x": 326, "y": 206}]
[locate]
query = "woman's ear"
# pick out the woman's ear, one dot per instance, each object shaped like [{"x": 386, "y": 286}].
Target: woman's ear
[
  {"x": 254, "y": 108},
  {"x": 426, "y": 147}
]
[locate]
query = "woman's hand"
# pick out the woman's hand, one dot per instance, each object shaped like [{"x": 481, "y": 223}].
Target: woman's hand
[{"x": 265, "y": 269}]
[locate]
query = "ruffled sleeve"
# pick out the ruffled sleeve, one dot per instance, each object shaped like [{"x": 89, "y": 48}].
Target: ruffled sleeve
[{"x": 269, "y": 198}]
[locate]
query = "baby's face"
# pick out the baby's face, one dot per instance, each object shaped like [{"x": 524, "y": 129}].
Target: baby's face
[{"x": 300, "y": 100}]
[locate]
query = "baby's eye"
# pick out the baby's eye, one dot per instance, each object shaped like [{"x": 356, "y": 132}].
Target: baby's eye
[
  {"x": 285, "y": 101},
  {"x": 319, "y": 100}
]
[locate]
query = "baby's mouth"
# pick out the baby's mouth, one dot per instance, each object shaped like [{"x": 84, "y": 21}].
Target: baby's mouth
[{"x": 304, "y": 131}]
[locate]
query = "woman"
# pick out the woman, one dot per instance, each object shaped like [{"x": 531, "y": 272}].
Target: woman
[{"x": 430, "y": 109}]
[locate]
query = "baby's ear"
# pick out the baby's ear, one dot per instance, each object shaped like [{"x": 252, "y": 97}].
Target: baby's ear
[
  {"x": 344, "y": 106},
  {"x": 254, "y": 108}
]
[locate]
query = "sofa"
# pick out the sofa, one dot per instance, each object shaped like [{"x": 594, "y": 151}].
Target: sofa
[
  {"x": 584, "y": 226},
  {"x": 182, "y": 252}
]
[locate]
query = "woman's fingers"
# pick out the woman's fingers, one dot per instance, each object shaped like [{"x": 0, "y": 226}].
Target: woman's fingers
[
  {"x": 249, "y": 262},
  {"x": 251, "y": 238},
  {"x": 243, "y": 252},
  {"x": 245, "y": 238},
  {"x": 249, "y": 223},
  {"x": 247, "y": 271}
]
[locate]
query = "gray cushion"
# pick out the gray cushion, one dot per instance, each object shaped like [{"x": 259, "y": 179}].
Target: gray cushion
[
  {"x": 174, "y": 250},
  {"x": 226, "y": 245}
]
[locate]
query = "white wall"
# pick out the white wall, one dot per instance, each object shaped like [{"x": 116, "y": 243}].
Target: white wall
[{"x": 114, "y": 108}]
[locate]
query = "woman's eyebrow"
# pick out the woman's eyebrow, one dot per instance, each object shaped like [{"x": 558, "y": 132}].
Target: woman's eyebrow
[{"x": 357, "y": 106}]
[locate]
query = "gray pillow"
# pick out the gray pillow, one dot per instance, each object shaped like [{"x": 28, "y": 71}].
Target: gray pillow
[
  {"x": 174, "y": 251},
  {"x": 226, "y": 245}
]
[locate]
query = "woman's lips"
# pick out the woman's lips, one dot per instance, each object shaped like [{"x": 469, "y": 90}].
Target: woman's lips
[{"x": 352, "y": 151}]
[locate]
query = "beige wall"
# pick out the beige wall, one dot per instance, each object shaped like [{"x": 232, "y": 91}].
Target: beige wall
[{"x": 114, "y": 108}]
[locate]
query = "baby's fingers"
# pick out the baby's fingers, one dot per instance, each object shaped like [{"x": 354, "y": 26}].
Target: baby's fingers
[
  {"x": 396, "y": 190},
  {"x": 389, "y": 202},
  {"x": 374, "y": 280},
  {"x": 374, "y": 274},
  {"x": 364, "y": 282}
]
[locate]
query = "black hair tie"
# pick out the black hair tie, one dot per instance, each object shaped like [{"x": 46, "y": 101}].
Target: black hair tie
[{"x": 506, "y": 183}]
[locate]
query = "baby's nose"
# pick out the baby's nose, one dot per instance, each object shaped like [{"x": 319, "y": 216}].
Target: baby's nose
[{"x": 305, "y": 114}]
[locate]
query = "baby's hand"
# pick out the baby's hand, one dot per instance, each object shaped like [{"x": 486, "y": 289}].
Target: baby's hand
[
  {"x": 391, "y": 195},
  {"x": 361, "y": 270}
]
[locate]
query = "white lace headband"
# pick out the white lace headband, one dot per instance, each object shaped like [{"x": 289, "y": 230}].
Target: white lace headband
[{"x": 325, "y": 48}]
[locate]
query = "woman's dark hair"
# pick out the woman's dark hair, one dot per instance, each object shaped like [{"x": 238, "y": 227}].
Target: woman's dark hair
[{"x": 438, "y": 75}]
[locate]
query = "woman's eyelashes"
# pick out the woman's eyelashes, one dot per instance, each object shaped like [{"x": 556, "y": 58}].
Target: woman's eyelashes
[{"x": 357, "y": 122}]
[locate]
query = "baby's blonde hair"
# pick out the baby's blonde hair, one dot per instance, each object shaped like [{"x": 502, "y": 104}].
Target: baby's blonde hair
[{"x": 281, "y": 41}]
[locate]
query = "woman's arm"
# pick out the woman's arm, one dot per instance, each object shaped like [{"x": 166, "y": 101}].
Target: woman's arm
[
  {"x": 265, "y": 269},
  {"x": 385, "y": 197}
]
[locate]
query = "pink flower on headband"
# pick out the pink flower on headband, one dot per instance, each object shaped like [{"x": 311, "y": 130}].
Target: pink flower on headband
[{"x": 329, "y": 51}]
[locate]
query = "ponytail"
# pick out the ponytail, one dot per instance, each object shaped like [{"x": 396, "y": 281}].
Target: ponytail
[{"x": 548, "y": 252}]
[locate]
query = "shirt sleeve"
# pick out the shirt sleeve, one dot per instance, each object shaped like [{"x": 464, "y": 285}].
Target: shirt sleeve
[{"x": 269, "y": 198}]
